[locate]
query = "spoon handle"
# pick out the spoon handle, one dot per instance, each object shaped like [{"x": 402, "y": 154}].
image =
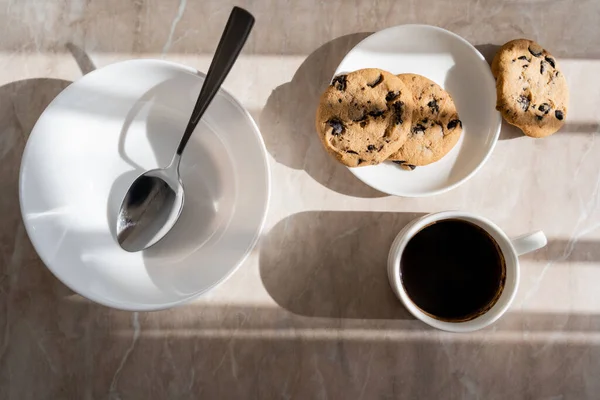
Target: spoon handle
[{"x": 232, "y": 40}]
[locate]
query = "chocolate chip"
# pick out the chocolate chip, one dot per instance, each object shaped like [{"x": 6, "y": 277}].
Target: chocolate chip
[
  {"x": 524, "y": 58},
  {"x": 363, "y": 123},
  {"x": 351, "y": 152},
  {"x": 368, "y": 101},
  {"x": 535, "y": 49},
  {"x": 391, "y": 95},
  {"x": 418, "y": 129},
  {"x": 370, "y": 147},
  {"x": 405, "y": 165},
  {"x": 559, "y": 115},
  {"x": 398, "y": 109},
  {"x": 361, "y": 118},
  {"x": 525, "y": 65},
  {"x": 542, "y": 67},
  {"x": 425, "y": 120},
  {"x": 339, "y": 100},
  {"x": 544, "y": 107},
  {"x": 376, "y": 113},
  {"x": 557, "y": 73},
  {"x": 434, "y": 106},
  {"x": 362, "y": 88},
  {"x": 339, "y": 82},
  {"x": 360, "y": 161},
  {"x": 454, "y": 123},
  {"x": 337, "y": 125},
  {"x": 539, "y": 117},
  {"x": 524, "y": 102},
  {"x": 550, "y": 61},
  {"x": 376, "y": 82}
]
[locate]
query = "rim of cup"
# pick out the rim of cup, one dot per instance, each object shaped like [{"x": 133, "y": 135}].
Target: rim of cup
[{"x": 508, "y": 252}]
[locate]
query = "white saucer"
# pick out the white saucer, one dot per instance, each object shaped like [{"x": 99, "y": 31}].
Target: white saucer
[
  {"x": 461, "y": 70},
  {"x": 90, "y": 144}
]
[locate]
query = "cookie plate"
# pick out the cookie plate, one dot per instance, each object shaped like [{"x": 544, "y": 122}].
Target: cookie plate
[
  {"x": 90, "y": 144},
  {"x": 455, "y": 65}
]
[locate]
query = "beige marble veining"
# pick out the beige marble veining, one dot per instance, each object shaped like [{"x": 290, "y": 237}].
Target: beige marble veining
[{"x": 310, "y": 314}]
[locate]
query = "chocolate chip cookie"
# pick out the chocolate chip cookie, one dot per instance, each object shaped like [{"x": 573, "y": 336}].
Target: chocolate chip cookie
[
  {"x": 364, "y": 116},
  {"x": 435, "y": 125},
  {"x": 531, "y": 91}
]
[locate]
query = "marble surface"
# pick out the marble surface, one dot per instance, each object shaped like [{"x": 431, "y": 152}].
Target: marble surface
[{"x": 310, "y": 315}]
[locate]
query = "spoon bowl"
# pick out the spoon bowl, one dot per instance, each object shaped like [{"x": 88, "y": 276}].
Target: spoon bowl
[{"x": 150, "y": 208}]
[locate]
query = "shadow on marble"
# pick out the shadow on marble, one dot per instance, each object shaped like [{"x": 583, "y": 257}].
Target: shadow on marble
[
  {"x": 581, "y": 127},
  {"x": 287, "y": 121},
  {"x": 73, "y": 350},
  {"x": 488, "y": 51},
  {"x": 566, "y": 251},
  {"x": 22, "y": 103},
  {"x": 333, "y": 264},
  {"x": 83, "y": 60},
  {"x": 510, "y": 132},
  {"x": 251, "y": 320}
]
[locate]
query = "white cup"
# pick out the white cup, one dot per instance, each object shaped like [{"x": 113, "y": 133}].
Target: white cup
[{"x": 511, "y": 249}]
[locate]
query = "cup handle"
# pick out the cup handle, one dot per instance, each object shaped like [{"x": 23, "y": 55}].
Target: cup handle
[{"x": 529, "y": 242}]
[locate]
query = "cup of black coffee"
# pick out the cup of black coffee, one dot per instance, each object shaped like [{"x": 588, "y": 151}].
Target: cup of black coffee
[{"x": 457, "y": 271}]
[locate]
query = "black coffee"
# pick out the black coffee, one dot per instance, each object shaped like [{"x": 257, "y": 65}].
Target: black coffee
[{"x": 453, "y": 270}]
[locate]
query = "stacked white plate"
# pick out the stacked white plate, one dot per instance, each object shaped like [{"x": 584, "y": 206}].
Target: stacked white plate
[{"x": 91, "y": 143}]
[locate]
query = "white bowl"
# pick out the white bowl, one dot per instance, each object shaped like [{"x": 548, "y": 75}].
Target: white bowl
[
  {"x": 454, "y": 64},
  {"x": 90, "y": 144}
]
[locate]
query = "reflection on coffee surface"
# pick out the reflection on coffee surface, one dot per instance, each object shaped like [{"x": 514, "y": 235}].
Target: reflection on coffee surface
[{"x": 453, "y": 270}]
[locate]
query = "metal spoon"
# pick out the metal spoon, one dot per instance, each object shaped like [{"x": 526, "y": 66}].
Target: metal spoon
[{"x": 154, "y": 201}]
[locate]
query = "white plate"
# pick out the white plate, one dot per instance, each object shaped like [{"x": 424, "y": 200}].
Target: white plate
[
  {"x": 461, "y": 70},
  {"x": 90, "y": 144}
]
